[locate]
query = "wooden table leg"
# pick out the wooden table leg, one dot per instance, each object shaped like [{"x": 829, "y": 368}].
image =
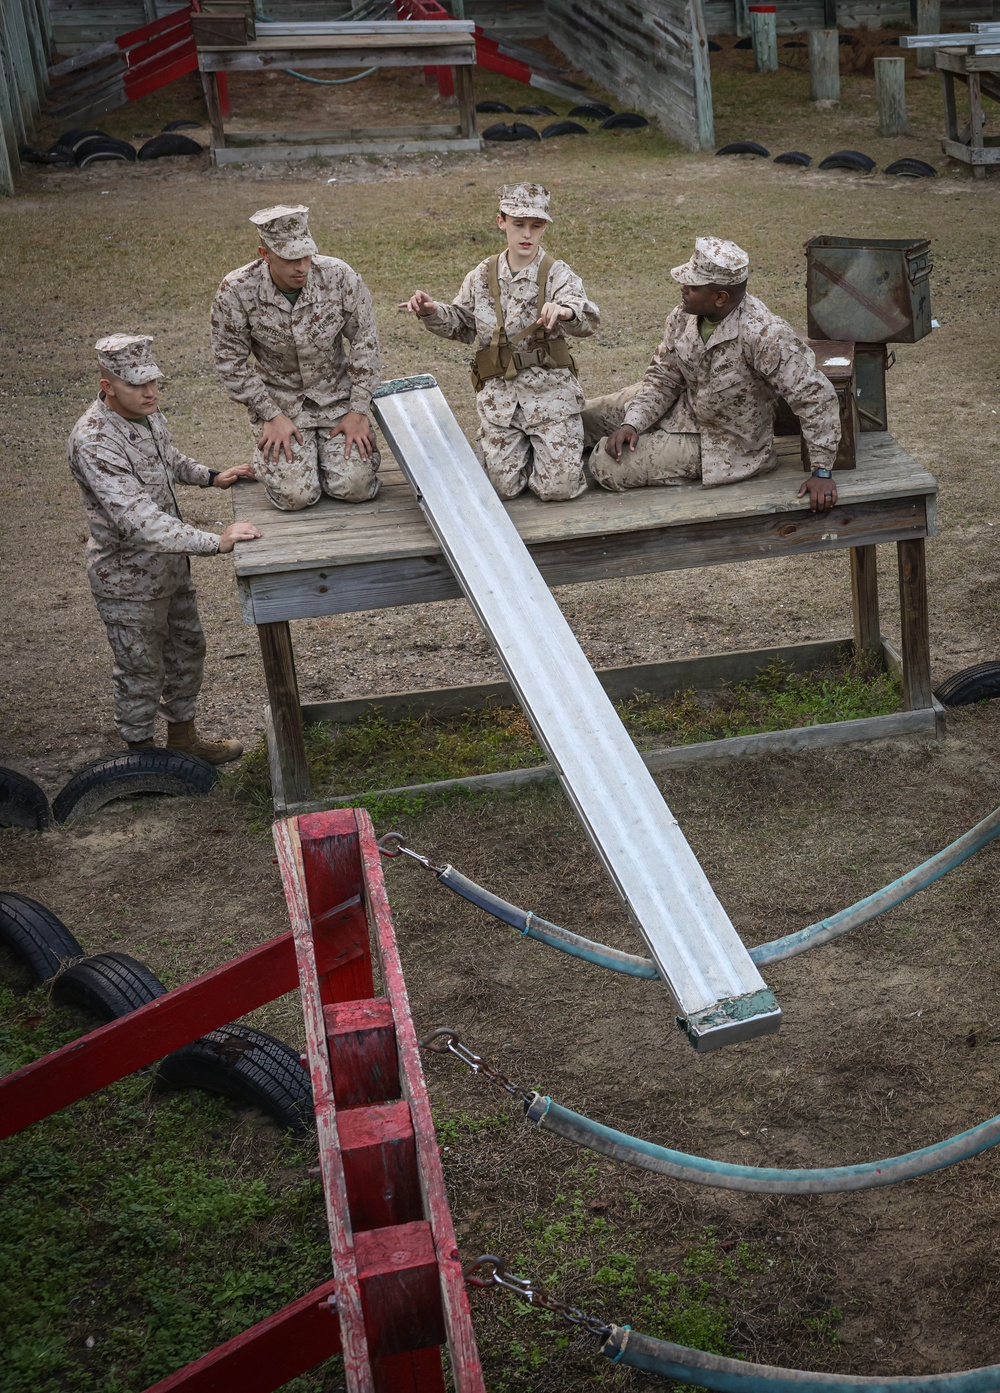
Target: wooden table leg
[
  {"x": 210, "y": 87},
  {"x": 864, "y": 596},
  {"x": 976, "y": 121},
  {"x": 950, "y": 106},
  {"x": 914, "y": 624},
  {"x": 286, "y": 712},
  {"x": 466, "y": 101}
]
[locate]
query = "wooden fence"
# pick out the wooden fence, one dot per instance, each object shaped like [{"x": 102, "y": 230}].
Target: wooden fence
[
  {"x": 720, "y": 15},
  {"x": 25, "y": 52},
  {"x": 653, "y": 57}
]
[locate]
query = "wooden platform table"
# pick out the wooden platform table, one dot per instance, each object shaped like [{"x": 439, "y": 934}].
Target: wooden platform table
[
  {"x": 389, "y": 44},
  {"x": 338, "y": 558},
  {"x": 980, "y": 72}
]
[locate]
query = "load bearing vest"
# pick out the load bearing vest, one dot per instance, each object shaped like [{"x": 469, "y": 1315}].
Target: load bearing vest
[{"x": 509, "y": 354}]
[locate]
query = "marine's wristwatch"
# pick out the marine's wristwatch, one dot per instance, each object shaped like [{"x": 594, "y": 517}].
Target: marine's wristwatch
[{"x": 822, "y": 473}]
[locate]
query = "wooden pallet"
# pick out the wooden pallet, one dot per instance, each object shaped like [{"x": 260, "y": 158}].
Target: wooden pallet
[{"x": 396, "y": 1300}]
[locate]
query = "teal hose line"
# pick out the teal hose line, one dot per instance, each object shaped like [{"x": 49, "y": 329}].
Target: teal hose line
[
  {"x": 624, "y": 1346},
  {"x": 631, "y": 965},
  {"x": 328, "y": 81},
  {"x": 766, "y": 1180}
]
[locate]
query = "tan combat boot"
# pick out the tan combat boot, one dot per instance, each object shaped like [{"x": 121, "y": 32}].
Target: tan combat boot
[
  {"x": 181, "y": 735},
  {"x": 140, "y": 744}
]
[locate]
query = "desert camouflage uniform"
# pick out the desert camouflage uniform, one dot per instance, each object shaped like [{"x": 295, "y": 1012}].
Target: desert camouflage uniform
[
  {"x": 303, "y": 370},
  {"x": 530, "y": 432},
  {"x": 137, "y": 563},
  {"x": 707, "y": 409}
]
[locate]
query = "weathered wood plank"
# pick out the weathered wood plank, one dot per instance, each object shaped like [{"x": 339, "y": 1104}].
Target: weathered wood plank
[
  {"x": 267, "y": 154},
  {"x": 864, "y": 599},
  {"x": 234, "y": 138},
  {"x": 914, "y": 624},
  {"x": 283, "y": 694}
]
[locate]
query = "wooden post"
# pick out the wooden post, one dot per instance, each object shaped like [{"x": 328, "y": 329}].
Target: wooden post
[
  {"x": 864, "y": 597},
  {"x": 742, "y": 19},
  {"x": 6, "y": 172},
  {"x": 9, "y": 160},
  {"x": 704, "y": 110},
  {"x": 466, "y": 100},
  {"x": 210, "y": 88},
  {"x": 950, "y": 105},
  {"x": 914, "y": 624},
  {"x": 824, "y": 65},
  {"x": 764, "y": 26},
  {"x": 974, "y": 82},
  {"x": 890, "y": 94},
  {"x": 286, "y": 712},
  {"x": 928, "y": 22},
  {"x": 830, "y": 14}
]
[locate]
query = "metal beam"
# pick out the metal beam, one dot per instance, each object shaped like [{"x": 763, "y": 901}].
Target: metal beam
[{"x": 718, "y": 992}]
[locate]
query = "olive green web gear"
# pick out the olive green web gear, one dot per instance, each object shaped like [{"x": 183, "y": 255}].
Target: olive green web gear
[{"x": 508, "y": 355}]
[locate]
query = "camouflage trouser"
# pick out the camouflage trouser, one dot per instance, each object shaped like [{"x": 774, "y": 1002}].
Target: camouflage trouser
[
  {"x": 159, "y": 650},
  {"x": 660, "y": 456},
  {"x": 318, "y": 466},
  {"x": 547, "y": 458}
]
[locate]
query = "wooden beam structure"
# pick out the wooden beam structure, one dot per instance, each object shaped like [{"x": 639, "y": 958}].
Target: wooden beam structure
[{"x": 395, "y": 1306}]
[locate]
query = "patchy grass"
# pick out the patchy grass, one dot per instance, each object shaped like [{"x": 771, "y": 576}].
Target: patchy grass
[
  {"x": 178, "y": 1223},
  {"x": 377, "y": 752}
]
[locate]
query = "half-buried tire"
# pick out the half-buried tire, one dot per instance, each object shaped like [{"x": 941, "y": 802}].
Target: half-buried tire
[
  {"x": 168, "y": 143},
  {"x": 40, "y": 940},
  {"x": 249, "y": 1066},
  {"x": 124, "y": 776},
  {"x": 22, "y": 802},
  {"x": 107, "y": 985},
  {"x": 100, "y": 147},
  {"x": 978, "y": 683}
]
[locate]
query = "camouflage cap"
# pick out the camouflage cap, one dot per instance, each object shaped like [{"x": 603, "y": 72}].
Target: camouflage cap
[
  {"x": 715, "y": 262},
  {"x": 129, "y": 357},
  {"x": 285, "y": 231},
  {"x": 525, "y": 201}
]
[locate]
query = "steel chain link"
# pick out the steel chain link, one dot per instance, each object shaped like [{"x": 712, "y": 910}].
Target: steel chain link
[{"x": 526, "y": 1289}]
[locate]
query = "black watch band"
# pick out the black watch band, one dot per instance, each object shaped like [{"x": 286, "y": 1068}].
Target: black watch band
[
  {"x": 822, "y": 473},
  {"x": 213, "y": 474}
]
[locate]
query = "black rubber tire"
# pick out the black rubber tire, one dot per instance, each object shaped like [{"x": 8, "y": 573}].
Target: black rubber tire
[
  {"x": 107, "y": 985},
  {"x": 249, "y": 1066},
  {"x": 563, "y": 128},
  {"x": 522, "y": 131},
  {"x": 794, "y": 157},
  {"x": 597, "y": 111},
  {"x": 28, "y": 155},
  {"x": 489, "y": 107},
  {"x": 22, "y": 802},
  {"x": 793, "y": 43},
  {"x": 500, "y": 132},
  {"x": 744, "y": 43},
  {"x": 980, "y": 682},
  {"x": 41, "y": 941},
  {"x": 713, "y": 47},
  {"x": 100, "y": 147},
  {"x": 743, "y": 147},
  {"x": 624, "y": 121},
  {"x": 123, "y": 776},
  {"x": 845, "y": 40},
  {"x": 912, "y": 168},
  {"x": 535, "y": 111},
  {"x": 168, "y": 144},
  {"x": 849, "y": 159},
  {"x": 71, "y": 139},
  {"x": 181, "y": 126}
]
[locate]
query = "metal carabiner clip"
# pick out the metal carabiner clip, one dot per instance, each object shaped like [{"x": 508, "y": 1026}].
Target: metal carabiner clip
[{"x": 393, "y": 844}]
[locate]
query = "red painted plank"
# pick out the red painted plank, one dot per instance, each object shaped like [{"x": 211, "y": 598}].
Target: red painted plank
[
  {"x": 159, "y": 47},
  {"x": 357, "y": 1366},
  {"x": 117, "y": 1049},
  {"x": 161, "y": 76},
  {"x": 332, "y": 871},
  {"x": 362, "y": 1040},
  {"x": 177, "y": 20},
  {"x": 380, "y": 1166},
  {"x": 417, "y": 1371},
  {"x": 466, "y": 1368},
  {"x": 269, "y": 1354},
  {"x": 398, "y": 1273}
]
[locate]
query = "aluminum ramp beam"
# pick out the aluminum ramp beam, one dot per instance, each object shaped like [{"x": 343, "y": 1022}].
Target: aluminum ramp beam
[{"x": 719, "y": 995}]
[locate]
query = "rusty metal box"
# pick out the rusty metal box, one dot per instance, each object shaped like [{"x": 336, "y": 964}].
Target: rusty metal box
[
  {"x": 836, "y": 360},
  {"x": 223, "y": 24},
  {"x": 868, "y": 289},
  {"x": 871, "y": 363}
]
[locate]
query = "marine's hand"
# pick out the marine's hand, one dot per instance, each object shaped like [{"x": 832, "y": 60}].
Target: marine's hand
[
  {"x": 822, "y": 493},
  {"x": 227, "y": 477},
  {"x": 355, "y": 429},
  {"x": 237, "y": 532},
  {"x": 614, "y": 443},
  {"x": 551, "y": 315},
  {"x": 277, "y": 436},
  {"x": 420, "y": 304}
]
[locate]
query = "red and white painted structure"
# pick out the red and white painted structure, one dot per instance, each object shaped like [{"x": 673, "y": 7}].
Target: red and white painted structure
[{"x": 396, "y": 1298}]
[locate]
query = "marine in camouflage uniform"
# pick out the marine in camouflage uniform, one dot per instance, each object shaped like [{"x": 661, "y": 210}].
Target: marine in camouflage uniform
[
  {"x": 307, "y": 393},
  {"x": 705, "y": 407},
  {"x": 124, "y": 459},
  {"x": 530, "y": 431}
]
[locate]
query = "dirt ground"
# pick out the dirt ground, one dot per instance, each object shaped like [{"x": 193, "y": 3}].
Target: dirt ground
[{"x": 890, "y": 1037}]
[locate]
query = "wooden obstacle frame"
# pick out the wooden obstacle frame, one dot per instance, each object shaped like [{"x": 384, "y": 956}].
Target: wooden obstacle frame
[{"x": 396, "y": 1299}]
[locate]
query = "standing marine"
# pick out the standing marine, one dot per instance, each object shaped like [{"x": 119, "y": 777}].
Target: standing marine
[
  {"x": 295, "y": 342},
  {"x": 517, "y": 308},
  {"x": 123, "y": 457}
]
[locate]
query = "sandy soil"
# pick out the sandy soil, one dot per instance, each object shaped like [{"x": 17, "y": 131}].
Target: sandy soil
[{"x": 890, "y": 1037}]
